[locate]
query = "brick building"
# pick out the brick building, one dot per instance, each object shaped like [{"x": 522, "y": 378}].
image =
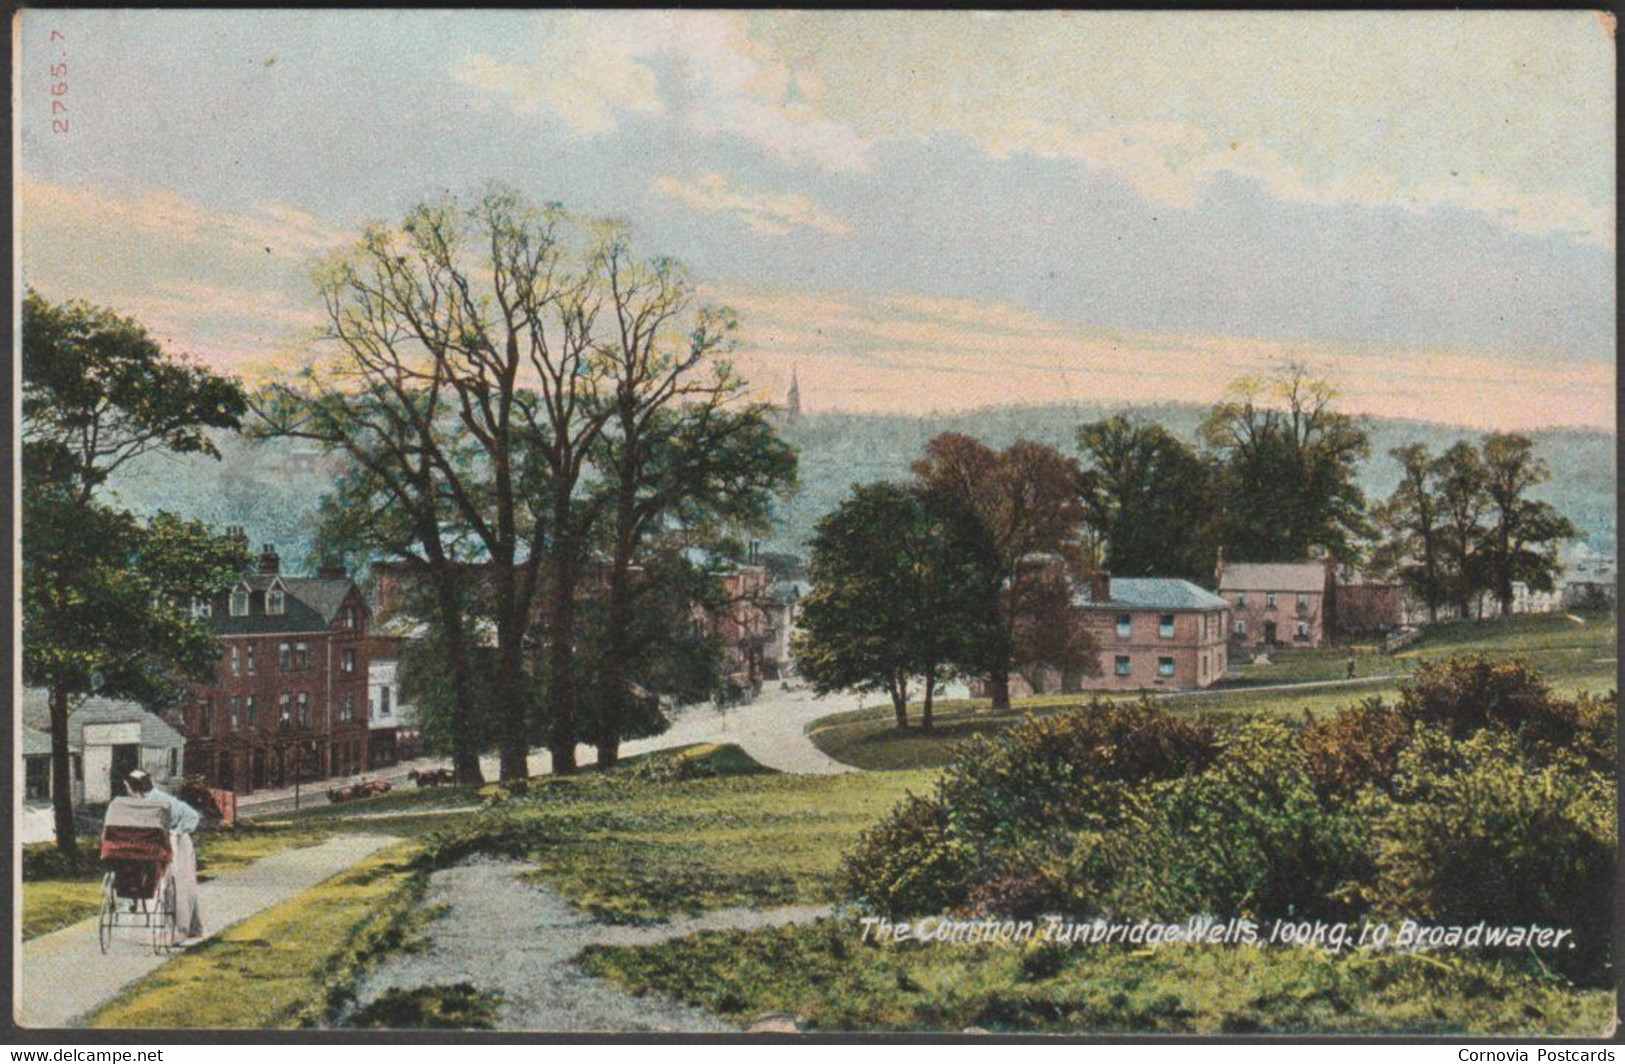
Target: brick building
[
  {"x": 289, "y": 696},
  {"x": 1279, "y": 603},
  {"x": 1154, "y": 632}
]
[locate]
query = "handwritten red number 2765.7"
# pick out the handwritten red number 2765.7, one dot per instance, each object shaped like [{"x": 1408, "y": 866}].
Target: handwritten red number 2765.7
[{"x": 59, "y": 88}]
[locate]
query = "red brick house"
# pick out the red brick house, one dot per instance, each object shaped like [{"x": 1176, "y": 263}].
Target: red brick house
[
  {"x": 1276, "y": 604},
  {"x": 1154, "y": 632},
  {"x": 289, "y": 696}
]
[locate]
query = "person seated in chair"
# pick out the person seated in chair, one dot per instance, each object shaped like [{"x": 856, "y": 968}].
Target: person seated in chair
[{"x": 183, "y": 820}]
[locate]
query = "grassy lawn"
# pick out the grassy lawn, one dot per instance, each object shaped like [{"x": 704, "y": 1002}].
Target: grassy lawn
[
  {"x": 823, "y": 973},
  {"x": 54, "y": 898},
  {"x": 630, "y": 850},
  {"x": 1574, "y": 657},
  {"x": 290, "y": 966}
]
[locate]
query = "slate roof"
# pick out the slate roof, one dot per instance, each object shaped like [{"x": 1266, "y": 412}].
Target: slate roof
[
  {"x": 311, "y": 604},
  {"x": 1273, "y": 576},
  {"x": 95, "y": 710},
  {"x": 1152, "y": 593}
]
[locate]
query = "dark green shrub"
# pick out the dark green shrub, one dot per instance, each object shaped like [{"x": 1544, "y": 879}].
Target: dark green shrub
[
  {"x": 1052, "y": 775},
  {"x": 1474, "y": 832},
  {"x": 1357, "y": 747},
  {"x": 1583, "y": 734},
  {"x": 910, "y": 862},
  {"x": 1467, "y": 693},
  {"x": 1249, "y": 837}
]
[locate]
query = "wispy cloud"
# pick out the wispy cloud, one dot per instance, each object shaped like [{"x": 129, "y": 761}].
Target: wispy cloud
[
  {"x": 772, "y": 213},
  {"x": 875, "y": 352},
  {"x": 588, "y": 70}
]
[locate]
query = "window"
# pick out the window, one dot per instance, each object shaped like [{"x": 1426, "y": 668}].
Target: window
[
  {"x": 77, "y": 764},
  {"x": 1303, "y": 630},
  {"x": 202, "y": 608},
  {"x": 236, "y": 712},
  {"x": 236, "y": 660},
  {"x": 348, "y": 617},
  {"x": 205, "y": 717},
  {"x": 286, "y": 705},
  {"x": 251, "y": 659},
  {"x": 1269, "y": 601},
  {"x": 39, "y": 779},
  {"x": 1241, "y": 599},
  {"x": 251, "y": 711},
  {"x": 1165, "y": 626},
  {"x": 301, "y": 655},
  {"x": 347, "y": 661},
  {"x": 274, "y": 602},
  {"x": 347, "y": 708},
  {"x": 285, "y": 655},
  {"x": 1204, "y": 666},
  {"x": 304, "y": 709},
  {"x": 1303, "y": 602},
  {"x": 1125, "y": 625},
  {"x": 383, "y": 700},
  {"x": 1241, "y": 627},
  {"x": 239, "y": 602},
  {"x": 1122, "y": 665},
  {"x": 1165, "y": 666},
  {"x": 174, "y": 761}
]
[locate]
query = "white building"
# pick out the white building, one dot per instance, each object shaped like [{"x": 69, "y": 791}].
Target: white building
[{"x": 107, "y": 739}]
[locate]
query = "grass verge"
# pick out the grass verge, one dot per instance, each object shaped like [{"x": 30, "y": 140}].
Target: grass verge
[
  {"x": 822, "y": 973},
  {"x": 293, "y": 965}
]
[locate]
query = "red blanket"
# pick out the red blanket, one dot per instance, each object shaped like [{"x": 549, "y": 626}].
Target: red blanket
[{"x": 135, "y": 844}]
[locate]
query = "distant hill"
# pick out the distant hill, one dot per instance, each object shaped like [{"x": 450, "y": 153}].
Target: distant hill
[{"x": 273, "y": 488}]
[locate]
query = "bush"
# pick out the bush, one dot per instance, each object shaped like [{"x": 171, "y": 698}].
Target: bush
[
  {"x": 1356, "y": 748},
  {"x": 1249, "y": 837},
  {"x": 1468, "y": 693},
  {"x": 1049, "y": 776},
  {"x": 910, "y": 862},
  {"x": 1583, "y": 734},
  {"x": 1475, "y": 833}
]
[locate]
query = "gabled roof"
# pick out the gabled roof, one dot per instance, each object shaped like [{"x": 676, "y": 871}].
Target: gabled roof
[
  {"x": 1153, "y": 593},
  {"x": 311, "y": 604},
  {"x": 1273, "y": 576},
  {"x": 96, "y": 710}
]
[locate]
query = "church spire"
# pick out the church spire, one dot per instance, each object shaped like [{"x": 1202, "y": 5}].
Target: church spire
[{"x": 792, "y": 401}]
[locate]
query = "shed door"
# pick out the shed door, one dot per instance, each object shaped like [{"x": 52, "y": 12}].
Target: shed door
[{"x": 126, "y": 759}]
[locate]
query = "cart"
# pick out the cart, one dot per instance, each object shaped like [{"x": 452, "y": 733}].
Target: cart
[{"x": 138, "y": 889}]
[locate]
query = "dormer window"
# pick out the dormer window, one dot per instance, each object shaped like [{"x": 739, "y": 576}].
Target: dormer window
[
  {"x": 275, "y": 602},
  {"x": 202, "y": 608},
  {"x": 239, "y": 602},
  {"x": 349, "y": 617}
]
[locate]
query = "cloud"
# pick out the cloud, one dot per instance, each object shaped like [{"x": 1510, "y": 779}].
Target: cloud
[
  {"x": 589, "y": 70},
  {"x": 1174, "y": 163},
  {"x": 774, "y": 214},
  {"x": 910, "y": 352}
]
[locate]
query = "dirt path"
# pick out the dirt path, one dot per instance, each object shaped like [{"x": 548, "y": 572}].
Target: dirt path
[
  {"x": 65, "y": 975},
  {"x": 519, "y": 940}
]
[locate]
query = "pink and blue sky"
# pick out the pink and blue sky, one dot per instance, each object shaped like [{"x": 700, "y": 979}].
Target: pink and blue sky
[{"x": 918, "y": 211}]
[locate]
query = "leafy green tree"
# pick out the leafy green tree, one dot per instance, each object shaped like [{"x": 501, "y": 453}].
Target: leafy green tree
[
  {"x": 1029, "y": 499},
  {"x": 1153, "y": 499},
  {"x": 107, "y": 599},
  {"x": 1522, "y": 539},
  {"x": 1291, "y": 464},
  {"x": 1412, "y": 527},
  {"x": 901, "y": 590}
]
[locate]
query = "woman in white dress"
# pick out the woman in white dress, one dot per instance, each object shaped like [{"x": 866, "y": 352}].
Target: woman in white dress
[{"x": 183, "y": 820}]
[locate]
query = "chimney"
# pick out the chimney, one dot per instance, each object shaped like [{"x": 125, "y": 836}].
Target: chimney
[
  {"x": 236, "y": 534},
  {"x": 1218, "y": 568},
  {"x": 332, "y": 569},
  {"x": 1100, "y": 586},
  {"x": 269, "y": 561}
]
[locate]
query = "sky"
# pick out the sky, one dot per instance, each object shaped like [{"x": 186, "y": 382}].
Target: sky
[{"x": 914, "y": 211}]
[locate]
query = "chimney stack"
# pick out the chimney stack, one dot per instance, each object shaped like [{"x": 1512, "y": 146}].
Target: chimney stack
[
  {"x": 270, "y": 563},
  {"x": 332, "y": 569},
  {"x": 1100, "y": 586}
]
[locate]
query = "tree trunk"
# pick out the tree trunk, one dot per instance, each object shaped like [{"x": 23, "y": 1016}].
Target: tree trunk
[
  {"x": 510, "y": 684},
  {"x": 998, "y": 683},
  {"x": 465, "y": 755},
  {"x": 561, "y": 659},
  {"x": 617, "y": 644},
  {"x": 925, "y": 705},
  {"x": 899, "y": 701},
  {"x": 62, "y": 773}
]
